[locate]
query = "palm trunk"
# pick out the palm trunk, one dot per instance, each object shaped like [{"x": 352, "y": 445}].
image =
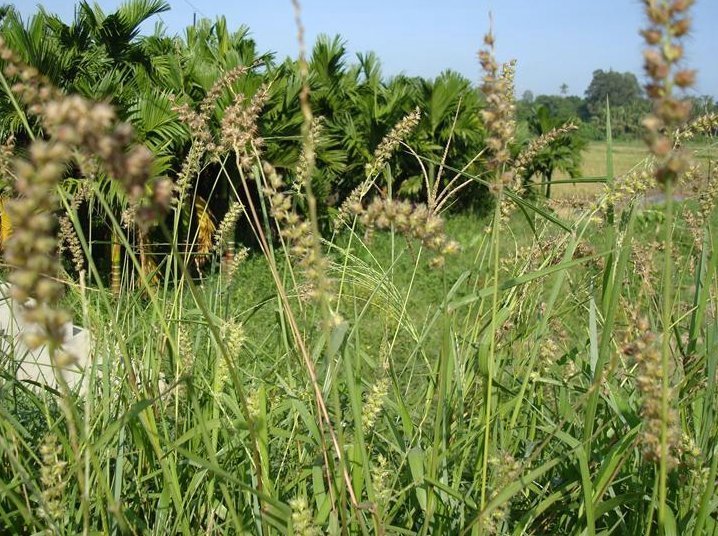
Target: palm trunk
[
  {"x": 116, "y": 272},
  {"x": 143, "y": 255},
  {"x": 547, "y": 179}
]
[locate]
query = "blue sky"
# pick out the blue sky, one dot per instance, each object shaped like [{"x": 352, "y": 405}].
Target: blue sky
[{"x": 554, "y": 41}]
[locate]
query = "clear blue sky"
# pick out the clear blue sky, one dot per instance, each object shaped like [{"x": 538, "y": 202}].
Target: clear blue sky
[{"x": 554, "y": 41}]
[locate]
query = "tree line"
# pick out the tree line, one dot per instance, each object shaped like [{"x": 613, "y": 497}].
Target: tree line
[
  {"x": 148, "y": 78},
  {"x": 623, "y": 92}
]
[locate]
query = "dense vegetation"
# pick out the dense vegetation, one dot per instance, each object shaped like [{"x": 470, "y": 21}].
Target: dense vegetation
[
  {"x": 379, "y": 362},
  {"x": 103, "y": 57}
]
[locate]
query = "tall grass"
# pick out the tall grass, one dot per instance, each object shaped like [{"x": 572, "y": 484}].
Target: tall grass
[{"x": 353, "y": 384}]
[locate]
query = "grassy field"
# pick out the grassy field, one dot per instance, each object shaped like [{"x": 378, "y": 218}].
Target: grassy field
[
  {"x": 383, "y": 369},
  {"x": 626, "y": 156},
  {"x": 495, "y": 394}
]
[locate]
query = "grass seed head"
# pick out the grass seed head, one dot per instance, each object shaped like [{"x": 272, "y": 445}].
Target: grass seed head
[
  {"x": 302, "y": 518},
  {"x": 499, "y": 114},
  {"x": 390, "y": 143},
  {"x": 240, "y": 127},
  {"x": 225, "y": 231},
  {"x": 68, "y": 238},
  {"x": 53, "y": 477},
  {"x": 667, "y": 26}
]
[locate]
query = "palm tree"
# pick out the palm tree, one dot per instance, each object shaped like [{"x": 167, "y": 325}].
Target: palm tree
[
  {"x": 99, "y": 56},
  {"x": 564, "y": 154},
  {"x": 450, "y": 131}
]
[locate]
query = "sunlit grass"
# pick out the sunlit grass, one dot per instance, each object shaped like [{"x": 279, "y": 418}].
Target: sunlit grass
[{"x": 626, "y": 155}]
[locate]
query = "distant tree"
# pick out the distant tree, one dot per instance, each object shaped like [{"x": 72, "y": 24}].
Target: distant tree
[
  {"x": 562, "y": 108},
  {"x": 620, "y": 88},
  {"x": 527, "y": 97},
  {"x": 703, "y": 105},
  {"x": 564, "y": 89},
  {"x": 626, "y": 120}
]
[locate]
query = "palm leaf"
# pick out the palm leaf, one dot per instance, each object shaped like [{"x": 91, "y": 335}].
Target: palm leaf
[{"x": 156, "y": 123}]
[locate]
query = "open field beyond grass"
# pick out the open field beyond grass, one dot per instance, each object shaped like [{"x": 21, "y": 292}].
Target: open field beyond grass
[{"x": 626, "y": 156}]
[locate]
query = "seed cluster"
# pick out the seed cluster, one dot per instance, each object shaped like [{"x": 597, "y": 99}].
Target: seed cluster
[
  {"x": 649, "y": 382},
  {"x": 643, "y": 258},
  {"x": 697, "y": 220},
  {"x": 413, "y": 221},
  {"x": 233, "y": 336},
  {"x": 374, "y": 403},
  {"x": 506, "y": 469},
  {"x": 669, "y": 24},
  {"x": 499, "y": 116},
  {"x": 381, "y": 475},
  {"x": 708, "y": 196},
  {"x": 240, "y": 128},
  {"x": 302, "y": 518},
  {"x": 6, "y": 151},
  {"x": 67, "y": 237},
  {"x": 31, "y": 251},
  {"x": 184, "y": 347},
  {"x": 53, "y": 478},
  {"x": 302, "y": 242},
  {"x": 537, "y": 145},
  {"x": 198, "y": 122},
  {"x": 703, "y": 125},
  {"x": 232, "y": 261},
  {"x": 390, "y": 143},
  {"x": 629, "y": 186},
  {"x": 224, "y": 235},
  {"x": 304, "y": 165}
]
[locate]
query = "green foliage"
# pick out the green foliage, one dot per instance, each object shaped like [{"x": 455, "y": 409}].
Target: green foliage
[
  {"x": 102, "y": 56},
  {"x": 620, "y": 88}
]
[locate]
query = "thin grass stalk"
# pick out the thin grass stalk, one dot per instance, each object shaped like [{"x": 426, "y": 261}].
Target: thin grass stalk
[
  {"x": 433, "y": 190},
  {"x": 147, "y": 418},
  {"x": 616, "y": 273},
  {"x": 495, "y": 247},
  {"x": 311, "y": 201},
  {"x": 324, "y": 419},
  {"x": 214, "y": 331},
  {"x": 610, "y": 212},
  {"x": 541, "y": 330},
  {"x": 667, "y": 307}
]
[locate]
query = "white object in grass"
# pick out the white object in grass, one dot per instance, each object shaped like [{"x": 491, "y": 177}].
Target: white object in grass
[{"x": 35, "y": 366}]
